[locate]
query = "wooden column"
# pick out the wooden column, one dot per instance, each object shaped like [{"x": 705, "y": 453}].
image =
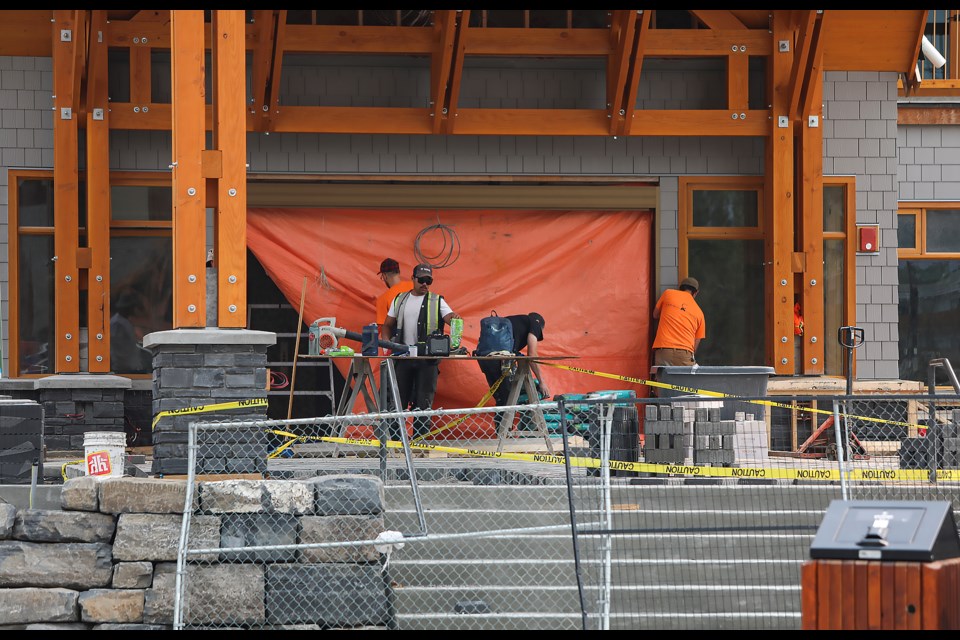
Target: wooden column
[
  {"x": 67, "y": 52},
  {"x": 97, "y": 254},
  {"x": 780, "y": 201},
  {"x": 189, "y": 140},
  {"x": 810, "y": 230},
  {"x": 230, "y": 157}
]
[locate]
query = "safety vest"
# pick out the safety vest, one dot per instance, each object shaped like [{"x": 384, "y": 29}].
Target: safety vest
[
  {"x": 797, "y": 320},
  {"x": 429, "y": 320}
]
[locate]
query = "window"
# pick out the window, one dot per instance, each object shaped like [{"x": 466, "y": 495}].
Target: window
[
  {"x": 839, "y": 309},
  {"x": 141, "y": 270},
  {"x": 722, "y": 245},
  {"x": 929, "y": 275}
]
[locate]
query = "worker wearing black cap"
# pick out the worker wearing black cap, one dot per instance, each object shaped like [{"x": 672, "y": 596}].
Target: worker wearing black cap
[
  {"x": 681, "y": 326},
  {"x": 527, "y": 334},
  {"x": 395, "y": 284},
  {"x": 413, "y": 316}
]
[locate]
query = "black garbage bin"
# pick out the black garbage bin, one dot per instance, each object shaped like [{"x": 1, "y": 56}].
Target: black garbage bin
[{"x": 624, "y": 437}]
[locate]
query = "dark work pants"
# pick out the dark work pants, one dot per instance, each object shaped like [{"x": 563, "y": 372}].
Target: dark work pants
[{"x": 416, "y": 386}]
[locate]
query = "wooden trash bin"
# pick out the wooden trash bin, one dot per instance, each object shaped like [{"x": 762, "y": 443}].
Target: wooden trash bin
[
  {"x": 883, "y": 565},
  {"x": 860, "y": 594}
]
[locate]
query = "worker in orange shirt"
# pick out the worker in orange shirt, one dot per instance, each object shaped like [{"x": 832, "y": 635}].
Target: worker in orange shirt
[
  {"x": 390, "y": 274},
  {"x": 681, "y": 325}
]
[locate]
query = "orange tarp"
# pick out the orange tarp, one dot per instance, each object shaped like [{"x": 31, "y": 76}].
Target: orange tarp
[{"x": 586, "y": 272}]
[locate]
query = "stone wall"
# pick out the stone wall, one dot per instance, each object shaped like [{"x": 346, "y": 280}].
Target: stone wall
[{"x": 108, "y": 558}]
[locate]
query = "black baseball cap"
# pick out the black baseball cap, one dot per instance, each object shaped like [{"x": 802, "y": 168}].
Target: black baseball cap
[
  {"x": 389, "y": 265},
  {"x": 537, "y": 323},
  {"x": 423, "y": 270}
]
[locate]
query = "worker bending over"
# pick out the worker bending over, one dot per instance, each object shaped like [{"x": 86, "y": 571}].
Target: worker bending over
[{"x": 681, "y": 326}]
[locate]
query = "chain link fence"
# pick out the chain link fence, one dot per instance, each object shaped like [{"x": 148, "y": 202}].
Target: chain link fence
[{"x": 611, "y": 512}]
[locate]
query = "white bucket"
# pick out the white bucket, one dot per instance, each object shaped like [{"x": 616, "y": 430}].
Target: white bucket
[{"x": 105, "y": 453}]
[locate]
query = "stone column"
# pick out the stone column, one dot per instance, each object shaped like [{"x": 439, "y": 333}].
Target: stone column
[
  {"x": 203, "y": 367},
  {"x": 77, "y": 403}
]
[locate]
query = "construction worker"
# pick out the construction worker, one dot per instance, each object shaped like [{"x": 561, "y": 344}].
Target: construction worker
[
  {"x": 413, "y": 316},
  {"x": 527, "y": 334},
  {"x": 681, "y": 325},
  {"x": 390, "y": 275}
]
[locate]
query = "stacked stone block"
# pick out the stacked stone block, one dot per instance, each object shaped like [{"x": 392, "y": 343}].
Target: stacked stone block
[
  {"x": 107, "y": 560},
  {"x": 663, "y": 434},
  {"x": 751, "y": 441},
  {"x": 208, "y": 369},
  {"x": 21, "y": 440},
  {"x": 713, "y": 438},
  {"x": 71, "y": 413}
]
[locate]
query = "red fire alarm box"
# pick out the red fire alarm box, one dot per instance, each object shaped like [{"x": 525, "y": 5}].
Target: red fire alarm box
[{"x": 868, "y": 238}]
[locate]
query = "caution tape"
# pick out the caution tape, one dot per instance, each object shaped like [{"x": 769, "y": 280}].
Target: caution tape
[
  {"x": 63, "y": 467},
  {"x": 697, "y": 471},
  {"x": 205, "y": 408},
  {"x": 718, "y": 394},
  {"x": 489, "y": 394}
]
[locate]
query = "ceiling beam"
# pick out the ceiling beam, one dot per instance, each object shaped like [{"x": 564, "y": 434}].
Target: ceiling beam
[
  {"x": 441, "y": 62},
  {"x": 622, "y": 29},
  {"x": 718, "y": 19}
]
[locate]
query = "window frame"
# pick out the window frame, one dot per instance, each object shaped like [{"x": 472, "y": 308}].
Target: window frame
[{"x": 119, "y": 227}]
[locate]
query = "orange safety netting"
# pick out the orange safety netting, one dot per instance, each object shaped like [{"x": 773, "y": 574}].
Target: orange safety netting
[{"x": 586, "y": 272}]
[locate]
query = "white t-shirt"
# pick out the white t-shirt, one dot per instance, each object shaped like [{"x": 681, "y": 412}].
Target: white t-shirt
[{"x": 411, "y": 314}]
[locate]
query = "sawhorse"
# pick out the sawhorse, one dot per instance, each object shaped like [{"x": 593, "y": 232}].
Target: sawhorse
[{"x": 523, "y": 380}]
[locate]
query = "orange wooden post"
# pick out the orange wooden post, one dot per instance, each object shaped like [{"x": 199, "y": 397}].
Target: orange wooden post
[
  {"x": 230, "y": 140},
  {"x": 781, "y": 202},
  {"x": 98, "y": 198},
  {"x": 67, "y": 50},
  {"x": 189, "y": 188}
]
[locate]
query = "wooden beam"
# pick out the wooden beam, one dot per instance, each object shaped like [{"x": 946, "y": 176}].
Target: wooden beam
[
  {"x": 189, "y": 140},
  {"x": 456, "y": 72},
  {"x": 66, "y": 41},
  {"x": 97, "y": 108},
  {"x": 780, "y": 209},
  {"x": 920, "y": 114},
  {"x": 229, "y": 137},
  {"x": 810, "y": 228},
  {"x": 140, "y": 73},
  {"x": 622, "y": 32},
  {"x": 263, "y": 29},
  {"x": 813, "y": 77},
  {"x": 802, "y": 47},
  {"x": 718, "y": 19},
  {"x": 633, "y": 77},
  {"x": 280, "y": 27},
  {"x": 441, "y": 62},
  {"x": 738, "y": 82}
]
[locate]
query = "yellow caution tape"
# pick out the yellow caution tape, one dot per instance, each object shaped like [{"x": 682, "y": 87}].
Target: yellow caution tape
[
  {"x": 483, "y": 401},
  {"x": 63, "y": 467},
  {"x": 204, "y": 408},
  {"x": 718, "y": 394},
  {"x": 699, "y": 471}
]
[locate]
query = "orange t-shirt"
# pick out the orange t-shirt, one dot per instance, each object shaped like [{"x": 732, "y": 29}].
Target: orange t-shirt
[
  {"x": 681, "y": 321},
  {"x": 385, "y": 298}
]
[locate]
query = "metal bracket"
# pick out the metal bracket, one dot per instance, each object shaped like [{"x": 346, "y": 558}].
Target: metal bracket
[
  {"x": 66, "y": 35},
  {"x": 66, "y": 113},
  {"x": 98, "y": 114},
  {"x": 783, "y": 122},
  {"x": 784, "y": 46},
  {"x": 813, "y": 121}
]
